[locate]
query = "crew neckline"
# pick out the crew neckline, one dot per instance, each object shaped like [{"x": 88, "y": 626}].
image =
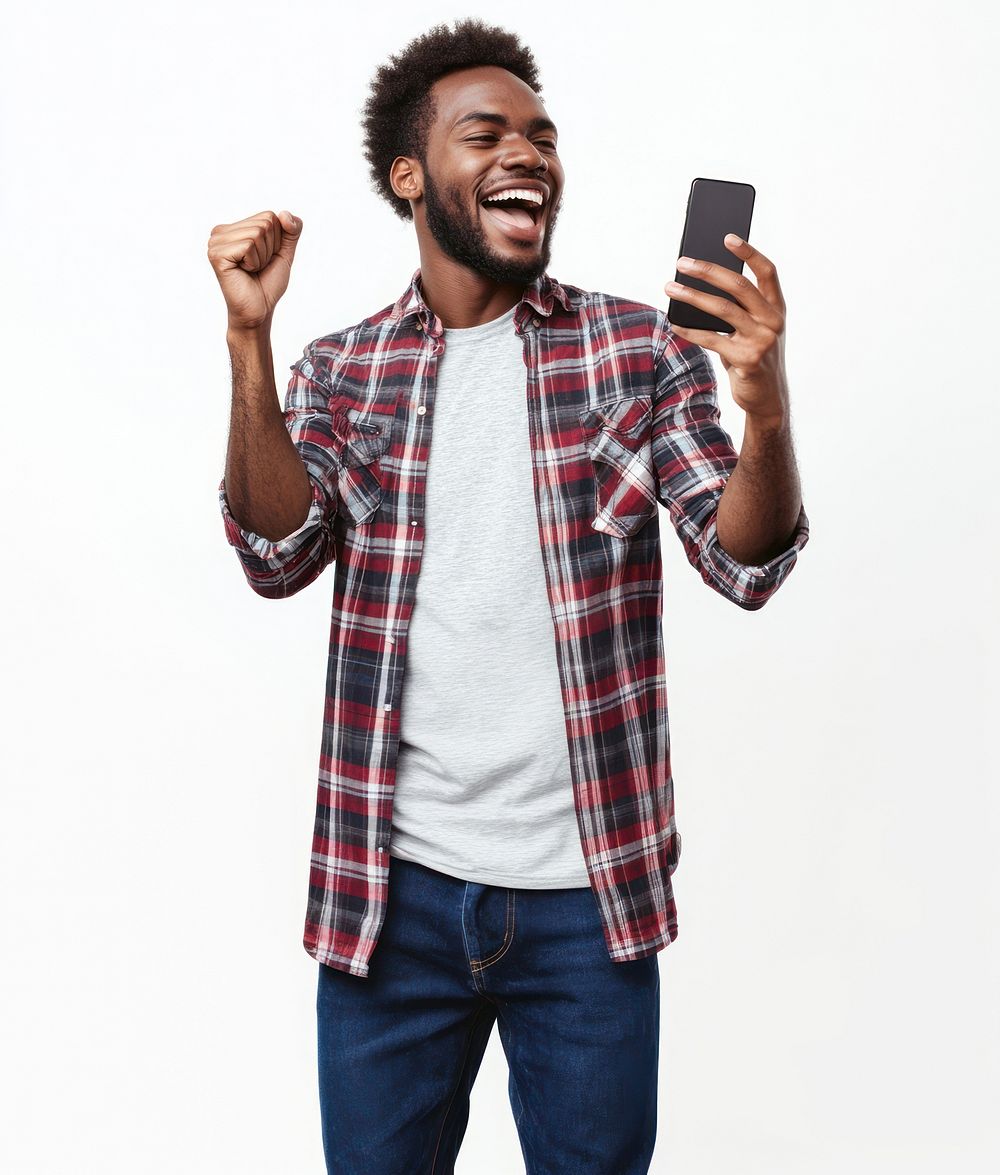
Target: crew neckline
[{"x": 494, "y": 326}]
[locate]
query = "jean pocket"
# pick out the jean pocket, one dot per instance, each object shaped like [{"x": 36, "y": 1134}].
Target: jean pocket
[
  {"x": 360, "y": 445},
  {"x": 619, "y": 441}
]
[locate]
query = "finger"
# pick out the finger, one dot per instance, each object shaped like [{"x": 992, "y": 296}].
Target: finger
[
  {"x": 237, "y": 251},
  {"x": 763, "y": 269},
  {"x": 716, "y": 304},
  {"x": 741, "y": 287},
  {"x": 274, "y": 233},
  {"x": 291, "y": 225},
  {"x": 709, "y": 339},
  {"x": 250, "y": 260},
  {"x": 240, "y": 227},
  {"x": 289, "y": 235},
  {"x": 265, "y": 240},
  {"x": 237, "y": 234},
  {"x": 259, "y": 229}
]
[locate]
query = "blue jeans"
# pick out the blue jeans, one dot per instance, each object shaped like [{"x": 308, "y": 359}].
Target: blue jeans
[{"x": 400, "y": 1048}]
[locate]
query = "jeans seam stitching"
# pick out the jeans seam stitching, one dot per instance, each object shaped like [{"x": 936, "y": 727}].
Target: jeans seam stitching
[
  {"x": 480, "y": 1012},
  {"x": 508, "y": 934}
]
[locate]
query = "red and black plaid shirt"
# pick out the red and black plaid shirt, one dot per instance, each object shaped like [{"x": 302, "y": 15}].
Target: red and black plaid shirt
[{"x": 623, "y": 415}]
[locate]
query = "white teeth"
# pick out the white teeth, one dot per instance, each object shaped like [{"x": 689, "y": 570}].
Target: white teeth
[{"x": 517, "y": 193}]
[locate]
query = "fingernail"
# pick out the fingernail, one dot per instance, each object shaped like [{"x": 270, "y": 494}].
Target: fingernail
[{"x": 733, "y": 239}]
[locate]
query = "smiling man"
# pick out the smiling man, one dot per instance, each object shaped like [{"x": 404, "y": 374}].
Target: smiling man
[
  {"x": 483, "y": 461},
  {"x": 486, "y": 197}
]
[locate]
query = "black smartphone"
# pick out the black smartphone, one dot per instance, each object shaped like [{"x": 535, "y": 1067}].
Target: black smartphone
[{"x": 714, "y": 208}]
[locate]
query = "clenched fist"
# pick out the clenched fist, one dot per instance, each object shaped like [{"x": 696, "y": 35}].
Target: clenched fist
[{"x": 252, "y": 259}]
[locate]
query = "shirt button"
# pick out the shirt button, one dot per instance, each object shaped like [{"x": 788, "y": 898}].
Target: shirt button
[
  {"x": 536, "y": 322},
  {"x": 420, "y": 326},
  {"x": 387, "y": 706},
  {"x": 414, "y": 522},
  {"x": 422, "y": 409}
]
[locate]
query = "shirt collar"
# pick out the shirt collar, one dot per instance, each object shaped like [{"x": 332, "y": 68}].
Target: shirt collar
[{"x": 539, "y": 297}]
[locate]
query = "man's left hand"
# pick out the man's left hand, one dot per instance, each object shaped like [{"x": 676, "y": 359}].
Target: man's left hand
[{"x": 754, "y": 354}]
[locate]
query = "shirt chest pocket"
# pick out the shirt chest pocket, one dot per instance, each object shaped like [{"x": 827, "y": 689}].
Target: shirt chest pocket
[
  {"x": 618, "y": 436},
  {"x": 359, "y": 446}
]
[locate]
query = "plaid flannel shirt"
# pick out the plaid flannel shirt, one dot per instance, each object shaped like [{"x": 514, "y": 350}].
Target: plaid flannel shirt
[{"x": 623, "y": 415}]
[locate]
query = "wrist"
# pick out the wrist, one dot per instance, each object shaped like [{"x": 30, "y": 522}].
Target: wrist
[
  {"x": 761, "y": 424},
  {"x": 241, "y": 335}
]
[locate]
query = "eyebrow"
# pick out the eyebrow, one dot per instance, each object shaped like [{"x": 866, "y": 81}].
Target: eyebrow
[{"x": 536, "y": 124}]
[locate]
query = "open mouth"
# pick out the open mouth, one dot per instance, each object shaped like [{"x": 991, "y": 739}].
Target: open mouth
[{"x": 516, "y": 217}]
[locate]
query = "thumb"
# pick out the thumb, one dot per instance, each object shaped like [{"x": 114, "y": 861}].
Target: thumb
[{"x": 291, "y": 227}]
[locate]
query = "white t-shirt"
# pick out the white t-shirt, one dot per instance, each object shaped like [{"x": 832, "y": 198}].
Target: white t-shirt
[{"x": 483, "y": 785}]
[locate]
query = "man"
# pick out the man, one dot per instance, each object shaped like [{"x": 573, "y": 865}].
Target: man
[{"x": 495, "y": 832}]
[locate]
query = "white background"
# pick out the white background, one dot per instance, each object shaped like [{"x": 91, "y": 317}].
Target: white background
[{"x": 831, "y": 1001}]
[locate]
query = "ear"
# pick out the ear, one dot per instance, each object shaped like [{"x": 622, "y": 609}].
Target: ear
[{"x": 407, "y": 177}]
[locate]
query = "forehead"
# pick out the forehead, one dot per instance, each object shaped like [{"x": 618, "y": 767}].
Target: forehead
[{"x": 486, "y": 87}]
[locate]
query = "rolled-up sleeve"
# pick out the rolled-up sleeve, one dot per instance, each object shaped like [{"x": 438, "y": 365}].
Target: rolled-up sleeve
[
  {"x": 693, "y": 457},
  {"x": 266, "y": 549},
  {"x": 282, "y": 567}
]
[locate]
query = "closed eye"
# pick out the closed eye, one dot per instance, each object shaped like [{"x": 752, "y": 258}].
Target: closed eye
[{"x": 480, "y": 138}]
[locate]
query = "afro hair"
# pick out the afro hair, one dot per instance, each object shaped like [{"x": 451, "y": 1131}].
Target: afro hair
[{"x": 399, "y": 112}]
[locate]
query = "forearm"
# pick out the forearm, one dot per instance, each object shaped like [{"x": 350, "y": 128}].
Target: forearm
[
  {"x": 759, "y": 507},
  {"x": 267, "y": 485}
]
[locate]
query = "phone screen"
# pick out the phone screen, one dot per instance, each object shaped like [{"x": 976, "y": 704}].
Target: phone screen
[{"x": 714, "y": 208}]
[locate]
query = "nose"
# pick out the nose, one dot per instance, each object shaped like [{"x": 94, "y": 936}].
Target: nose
[{"x": 526, "y": 155}]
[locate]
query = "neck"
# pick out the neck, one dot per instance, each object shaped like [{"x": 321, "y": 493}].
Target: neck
[{"x": 459, "y": 296}]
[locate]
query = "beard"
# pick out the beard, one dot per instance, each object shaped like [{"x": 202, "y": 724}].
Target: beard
[{"x": 463, "y": 237}]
